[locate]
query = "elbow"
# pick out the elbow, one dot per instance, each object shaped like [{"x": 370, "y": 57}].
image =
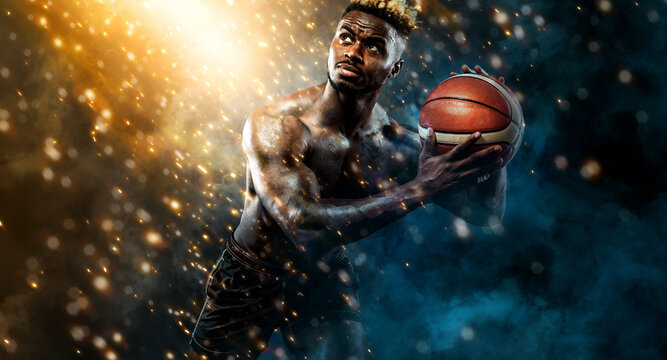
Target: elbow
[
  {"x": 305, "y": 227},
  {"x": 301, "y": 219},
  {"x": 316, "y": 229},
  {"x": 302, "y": 222}
]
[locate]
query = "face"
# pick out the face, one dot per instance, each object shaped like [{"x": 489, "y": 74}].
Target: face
[{"x": 365, "y": 51}]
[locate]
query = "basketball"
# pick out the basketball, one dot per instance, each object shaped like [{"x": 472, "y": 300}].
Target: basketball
[{"x": 466, "y": 103}]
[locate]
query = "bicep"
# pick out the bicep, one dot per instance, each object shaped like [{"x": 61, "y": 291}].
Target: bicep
[
  {"x": 281, "y": 185},
  {"x": 284, "y": 184}
]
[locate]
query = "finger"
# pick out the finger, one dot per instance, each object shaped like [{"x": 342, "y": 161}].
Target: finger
[
  {"x": 482, "y": 156},
  {"x": 452, "y": 73},
  {"x": 467, "y": 69},
  {"x": 429, "y": 143},
  {"x": 492, "y": 166},
  {"x": 501, "y": 79},
  {"x": 458, "y": 149},
  {"x": 479, "y": 70}
]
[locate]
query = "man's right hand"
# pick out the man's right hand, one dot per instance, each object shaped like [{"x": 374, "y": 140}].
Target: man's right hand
[{"x": 457, "y": 168}]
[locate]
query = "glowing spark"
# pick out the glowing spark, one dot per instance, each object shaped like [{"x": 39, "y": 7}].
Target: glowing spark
[
  {"x": 467, "y": 333},
  {"x": 99, "y": 342},
  {"x": 53, "y": 243},
  {"x": 47, "y": 173},
  {"x": 110, "y": 355},
  {"x": 591, "y": 169},
  {"x": 107, "y": 225},
  {"x": 462, "y": 229},
  {"x": 500, "y": 17},
  {"x": 604, "y": 5},
  {"x": 624, "y": 76},
  {"x": 117, "y": 337},
  {"x": 561, "y": 162},
  {"x": 101, "y": 283},
  {"x": 153, "y": 238}
]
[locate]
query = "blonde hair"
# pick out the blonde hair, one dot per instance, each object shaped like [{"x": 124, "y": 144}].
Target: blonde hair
[{"x": 398, "y": 13}]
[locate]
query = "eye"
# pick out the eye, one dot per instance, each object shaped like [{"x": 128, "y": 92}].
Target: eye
[
  {"x": 372, "y": 47},
  {"x": 345, "y": 37}
]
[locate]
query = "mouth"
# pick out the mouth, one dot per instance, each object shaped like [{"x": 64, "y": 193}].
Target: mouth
[{"x": 349, "y": 71}]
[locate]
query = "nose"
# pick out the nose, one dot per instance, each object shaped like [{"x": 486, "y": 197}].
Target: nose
[{"x": 353, "y": 53}]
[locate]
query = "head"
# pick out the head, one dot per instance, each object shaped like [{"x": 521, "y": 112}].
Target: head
[{"x": 367, "y": 47}]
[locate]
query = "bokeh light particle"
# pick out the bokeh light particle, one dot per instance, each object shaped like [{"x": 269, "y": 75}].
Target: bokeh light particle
[
  {"x": 101, "y": 283},
  {"x": 625, "y": 76}
]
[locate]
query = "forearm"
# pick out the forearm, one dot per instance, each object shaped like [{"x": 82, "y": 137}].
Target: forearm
[{"x": 342, "y": 221}]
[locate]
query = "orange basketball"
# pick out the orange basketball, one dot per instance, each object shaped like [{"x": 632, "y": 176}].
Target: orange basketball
[{"x": 466, "y": 103}]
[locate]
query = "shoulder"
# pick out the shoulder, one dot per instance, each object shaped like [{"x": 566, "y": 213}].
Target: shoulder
[
  {"x": 294, "y": 104},
  {"x": 270, "y": 135},
  {"x": 277, "y": 126}
]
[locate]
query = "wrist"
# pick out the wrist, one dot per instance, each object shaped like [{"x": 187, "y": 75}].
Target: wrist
[{"x": 420, "y": 190}]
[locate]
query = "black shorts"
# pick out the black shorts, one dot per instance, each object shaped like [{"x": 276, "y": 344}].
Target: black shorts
[{"x": 245, "y": 303}]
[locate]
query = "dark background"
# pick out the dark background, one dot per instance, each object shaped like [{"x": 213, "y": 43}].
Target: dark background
[{"x": 114, "y": 201}]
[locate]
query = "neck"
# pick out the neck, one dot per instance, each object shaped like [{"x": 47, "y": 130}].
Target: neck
[{"x": 346, "y": 111}]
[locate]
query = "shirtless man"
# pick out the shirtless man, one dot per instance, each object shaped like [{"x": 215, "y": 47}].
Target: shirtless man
[{"x": 327, "y": 166}]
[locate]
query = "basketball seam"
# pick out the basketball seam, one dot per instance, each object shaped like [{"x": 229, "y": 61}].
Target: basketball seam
[
  {"x": 473, "y": 101},
  {"x": 502, "y": 93}
]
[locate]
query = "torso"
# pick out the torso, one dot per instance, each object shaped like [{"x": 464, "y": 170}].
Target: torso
[{"x": 367, "y": 162}]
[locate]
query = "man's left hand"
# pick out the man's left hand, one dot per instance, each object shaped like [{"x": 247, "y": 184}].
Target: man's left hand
[{"x": 477, "y": 70}]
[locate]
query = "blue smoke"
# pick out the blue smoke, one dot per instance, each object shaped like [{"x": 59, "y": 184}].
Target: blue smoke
[{"x": 577, "y": 272}]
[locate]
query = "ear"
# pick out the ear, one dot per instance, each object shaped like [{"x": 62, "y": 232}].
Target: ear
[{"x": 396, "y": 68}]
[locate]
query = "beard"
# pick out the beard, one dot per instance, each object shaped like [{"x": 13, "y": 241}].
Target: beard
[{"x": 344, "y": 88}]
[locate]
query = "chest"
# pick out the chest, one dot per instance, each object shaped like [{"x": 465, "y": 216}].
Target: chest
[{"x": 360, "y": 166}]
